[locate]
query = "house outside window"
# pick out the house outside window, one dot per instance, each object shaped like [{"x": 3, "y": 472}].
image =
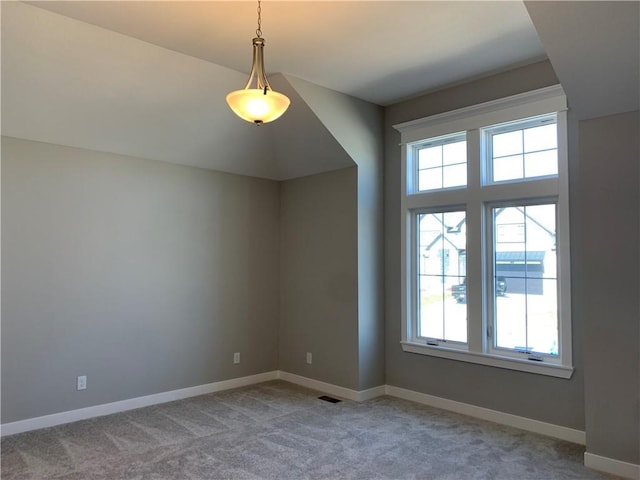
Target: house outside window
[{"x": 485, "y": 234}]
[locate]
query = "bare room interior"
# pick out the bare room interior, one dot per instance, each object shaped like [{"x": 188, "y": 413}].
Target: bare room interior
[{"x": 426, "y": 264}]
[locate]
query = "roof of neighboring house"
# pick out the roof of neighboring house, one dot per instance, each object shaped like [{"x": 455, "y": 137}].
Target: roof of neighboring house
[{"x": 520, "y": 257}]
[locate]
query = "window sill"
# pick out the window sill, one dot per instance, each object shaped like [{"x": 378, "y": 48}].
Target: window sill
[{"x": 540, "y": 368}]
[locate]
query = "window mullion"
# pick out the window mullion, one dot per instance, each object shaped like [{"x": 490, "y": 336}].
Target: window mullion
[
  {"x": 563, "y": 232},
  {"x": 475, "y": 243},
  {"x": 406, "y": 248}
]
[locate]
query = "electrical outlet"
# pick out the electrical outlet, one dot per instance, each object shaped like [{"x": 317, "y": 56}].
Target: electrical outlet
[
  {"x": 309, "y": 358},
  {"x": 236, "y": 358},
  {"x": 81, "y": 383}
]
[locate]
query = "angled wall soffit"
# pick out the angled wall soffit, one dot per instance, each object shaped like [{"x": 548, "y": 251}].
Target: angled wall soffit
[
  {"x": 355, "y": 124},
  {"x": 303, "y": 143}
]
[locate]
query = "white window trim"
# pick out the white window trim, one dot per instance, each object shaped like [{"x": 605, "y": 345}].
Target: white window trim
[
  {"x": 471, "y": 119},
  {"x": 524, "y": 105}
]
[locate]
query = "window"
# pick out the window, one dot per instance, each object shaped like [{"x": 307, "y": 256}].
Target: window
[
  {"x": 485, "y": 273},
  {"x": 440, "y": 266},
  {"x": 525, "y": 261},
  {"x": 442, "y": 163},
  {"x": 521, "y": 150}
]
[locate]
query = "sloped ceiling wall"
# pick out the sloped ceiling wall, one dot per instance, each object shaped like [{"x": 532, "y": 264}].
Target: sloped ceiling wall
[
  {"x": 354, "y": 123},
  {"x": 70, "y": 83},
  {"x": 303, "y": 144},
  {"x": 594, "y": 48}
]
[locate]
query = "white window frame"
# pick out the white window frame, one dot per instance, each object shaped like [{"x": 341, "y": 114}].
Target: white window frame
[
  {"x": 478, "y": 197},
  {"x": 510, "y": 127},
  {"x": 414, "y": 270},
  {"x": 440, "y": 141}
]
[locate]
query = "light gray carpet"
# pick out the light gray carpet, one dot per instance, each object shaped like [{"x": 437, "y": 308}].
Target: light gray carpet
[{"x": 277, "y": 430}]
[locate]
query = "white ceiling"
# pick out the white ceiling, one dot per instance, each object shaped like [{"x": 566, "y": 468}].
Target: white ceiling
[
  {"x": 148, "y": 79},
  {"x": 379, "y": 51}
]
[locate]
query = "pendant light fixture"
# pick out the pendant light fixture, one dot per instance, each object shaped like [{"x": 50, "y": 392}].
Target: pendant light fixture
[{"x": 258, "y": 102}]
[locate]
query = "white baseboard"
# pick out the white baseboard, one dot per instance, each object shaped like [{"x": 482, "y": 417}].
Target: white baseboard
[
  {"x": 163, "y": 397},
  {"x": 612, "y": 466},
  {"x": 130, "y": 404},
  {"x": 528, "y": 424},
  {"x": 356, "y": 396},
  {"x": 595, "y": 462},
  {"x": 523, "y": 423},
  {"x": 374, "y": 392}
]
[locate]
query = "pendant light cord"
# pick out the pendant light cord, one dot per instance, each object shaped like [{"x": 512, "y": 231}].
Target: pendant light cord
[{"x": 259, "y": 29}]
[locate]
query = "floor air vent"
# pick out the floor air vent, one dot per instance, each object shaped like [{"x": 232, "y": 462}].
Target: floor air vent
[{"x": 329, "y": 399}]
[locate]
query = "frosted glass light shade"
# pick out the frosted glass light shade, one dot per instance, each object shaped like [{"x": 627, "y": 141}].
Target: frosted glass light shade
[{"x": 257, "y": 106}]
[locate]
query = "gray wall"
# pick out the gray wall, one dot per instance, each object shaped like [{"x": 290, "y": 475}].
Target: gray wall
[
  {"x": 539, "y": 397},
  {"x": 610, "y": 177},
  {"x": 319, "y": 277},
  {"x": 143, "y": 275},
  {"x": 358, "y": 127}
]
